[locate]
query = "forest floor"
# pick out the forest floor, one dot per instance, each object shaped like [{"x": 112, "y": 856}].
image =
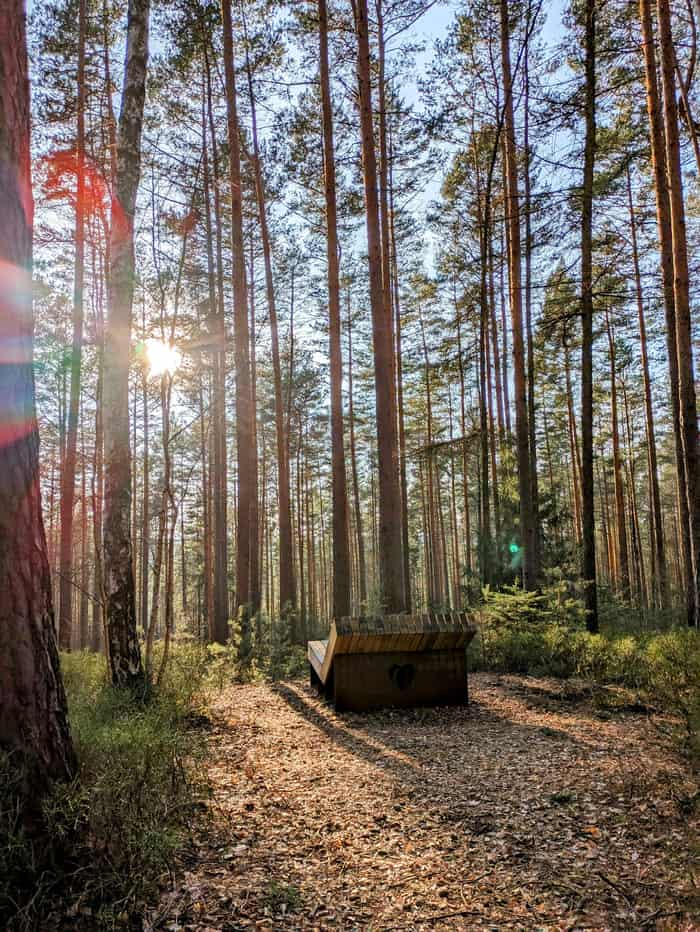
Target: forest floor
[{"x": 533, "y": 808}]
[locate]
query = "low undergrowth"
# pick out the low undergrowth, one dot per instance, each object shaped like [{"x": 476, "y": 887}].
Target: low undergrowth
[
  {"x": 113, "y": 832},
  {"x": 543, "y": 634}
]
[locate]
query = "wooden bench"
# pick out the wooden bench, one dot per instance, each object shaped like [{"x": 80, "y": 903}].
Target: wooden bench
[{"x": 396, "y": 660}]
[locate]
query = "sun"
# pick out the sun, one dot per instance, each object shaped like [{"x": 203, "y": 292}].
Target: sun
[{"x": 162, "y": 357}]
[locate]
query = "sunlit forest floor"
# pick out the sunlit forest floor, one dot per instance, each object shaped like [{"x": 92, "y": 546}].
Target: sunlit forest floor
[{"x": 536, "y": 807}]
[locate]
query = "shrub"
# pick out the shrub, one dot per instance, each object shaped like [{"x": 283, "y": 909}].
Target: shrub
[
  {"x": 543, "y": 633},
  {"x": 113, "y": 831},
  {"x": 672, "y": 677}
]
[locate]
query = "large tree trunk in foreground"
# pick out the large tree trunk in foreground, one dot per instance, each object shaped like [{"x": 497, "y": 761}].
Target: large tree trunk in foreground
[
  {"x": 33, "y": 720},
  {"x": 391, "y": 572},
  {"x": 120, "y": 597},
  {"x": 587, "y": 489}
]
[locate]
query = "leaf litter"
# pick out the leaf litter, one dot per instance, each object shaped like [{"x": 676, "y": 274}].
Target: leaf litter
[{"x": 525, "y": 810}]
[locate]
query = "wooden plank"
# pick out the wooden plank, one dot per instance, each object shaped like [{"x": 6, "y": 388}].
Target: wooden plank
[
  {"x": 330, "y": 652},
  {"x": 316, "y": 653}
]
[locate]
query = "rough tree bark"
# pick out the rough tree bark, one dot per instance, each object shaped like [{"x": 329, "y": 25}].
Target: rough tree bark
[
  {"x": 33, "y": 717},
  {"x": 528, "y": 518},
  {"x": 392, "y": 592},
  {"x": 658, "y": 553},
  {"x": 587, "y": 489},
  {"x": 684, "y": 336},
  {"x": 120, "y": 597},
  {"x": 219, "y": 612},
  {"x": 399, "y": 386},
  {"x": 341, "y": 540},
  {"x": 246, "y": 453},
  {"x": 663, "y": 219}
]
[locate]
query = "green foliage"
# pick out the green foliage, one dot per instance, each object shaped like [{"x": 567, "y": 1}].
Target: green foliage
[
  {"x": 221, "y": 661},
  {"x": 673, "y": 660},
  {"x": 20, "y": 858},
  {"x": 112, "y": 831},
  {"x": 543, "y": 634},
  {"x": 274, "y": 652},
  {"x": 282, "y": 897},
  {"x": 271, "y": 653}
]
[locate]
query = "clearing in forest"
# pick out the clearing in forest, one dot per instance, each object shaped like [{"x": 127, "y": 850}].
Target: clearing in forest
[{"x": 530, "y": 809}]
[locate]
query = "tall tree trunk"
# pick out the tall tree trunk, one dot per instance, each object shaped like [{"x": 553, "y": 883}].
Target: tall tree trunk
[
  {"x": 684, "y": 337},
  {"x": 504, "y": 330},
  {"x": 436, "y": 592},
  {"x": 33, "y": 714},
  {"x": 362, "y": 563},
  {"x": 493, "y": 439},
  {"x": 303, "y": 586},
  {"x": 341, "y": 540},
  {"x": 145, "y": 497},
  {"x": 255, "y": 577},
  {"x": 465, "y": 451},
  {"x": 123, "y": 646},
  {"x": 486, "y": 562},
  {"x": 214, "y": 528},
  {"x": 218, "y": 475},
  {"x": 528, "y": 296},
  {"x": 245, "y": 449},
  {"x": 183, "y": 567},
  {"x": 399, "y": 387},
  {"x": 287, "y": 584},
  {"x": 660, "y": 577},
  {"x": 98, "y": 608},
  {"x": 663, "y": 216},
  {"x": 457, "y": 572},
  {"x": 208, "y": 561},
  {"x": 68, "y": 473},
  {"x": 390, "y": 291},
  {"x": 83, "y": 615},
  {"x": 587, "y": 487},
  {"x": 623, "y": 580},
  {"x": 392, "y": 594},
  {"x": 608, "y": 547},
  {"x": 635, "y": 535},
  {"x": 163, "y": 523},
  {"x": 528, "y": 518},
  {"x": 576, "y": 467}
]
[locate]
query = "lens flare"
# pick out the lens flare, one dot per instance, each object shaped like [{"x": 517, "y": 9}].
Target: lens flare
[{"x": 162, "y": 357}]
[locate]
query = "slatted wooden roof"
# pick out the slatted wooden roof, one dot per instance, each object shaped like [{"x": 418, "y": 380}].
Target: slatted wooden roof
[{"x": 388, "y": 633}]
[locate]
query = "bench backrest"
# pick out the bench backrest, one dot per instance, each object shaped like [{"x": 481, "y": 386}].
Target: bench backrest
[{"x": 434, "y": 631}]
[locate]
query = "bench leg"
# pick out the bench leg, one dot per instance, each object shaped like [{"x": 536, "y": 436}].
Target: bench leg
[{"x": 314, "y": 680}]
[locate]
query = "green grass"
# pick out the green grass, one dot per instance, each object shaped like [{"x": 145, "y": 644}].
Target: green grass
[{"x": 113, "y": 832}]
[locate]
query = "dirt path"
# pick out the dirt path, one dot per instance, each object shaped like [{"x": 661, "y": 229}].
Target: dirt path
[{"x": 524, "y": 811}]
